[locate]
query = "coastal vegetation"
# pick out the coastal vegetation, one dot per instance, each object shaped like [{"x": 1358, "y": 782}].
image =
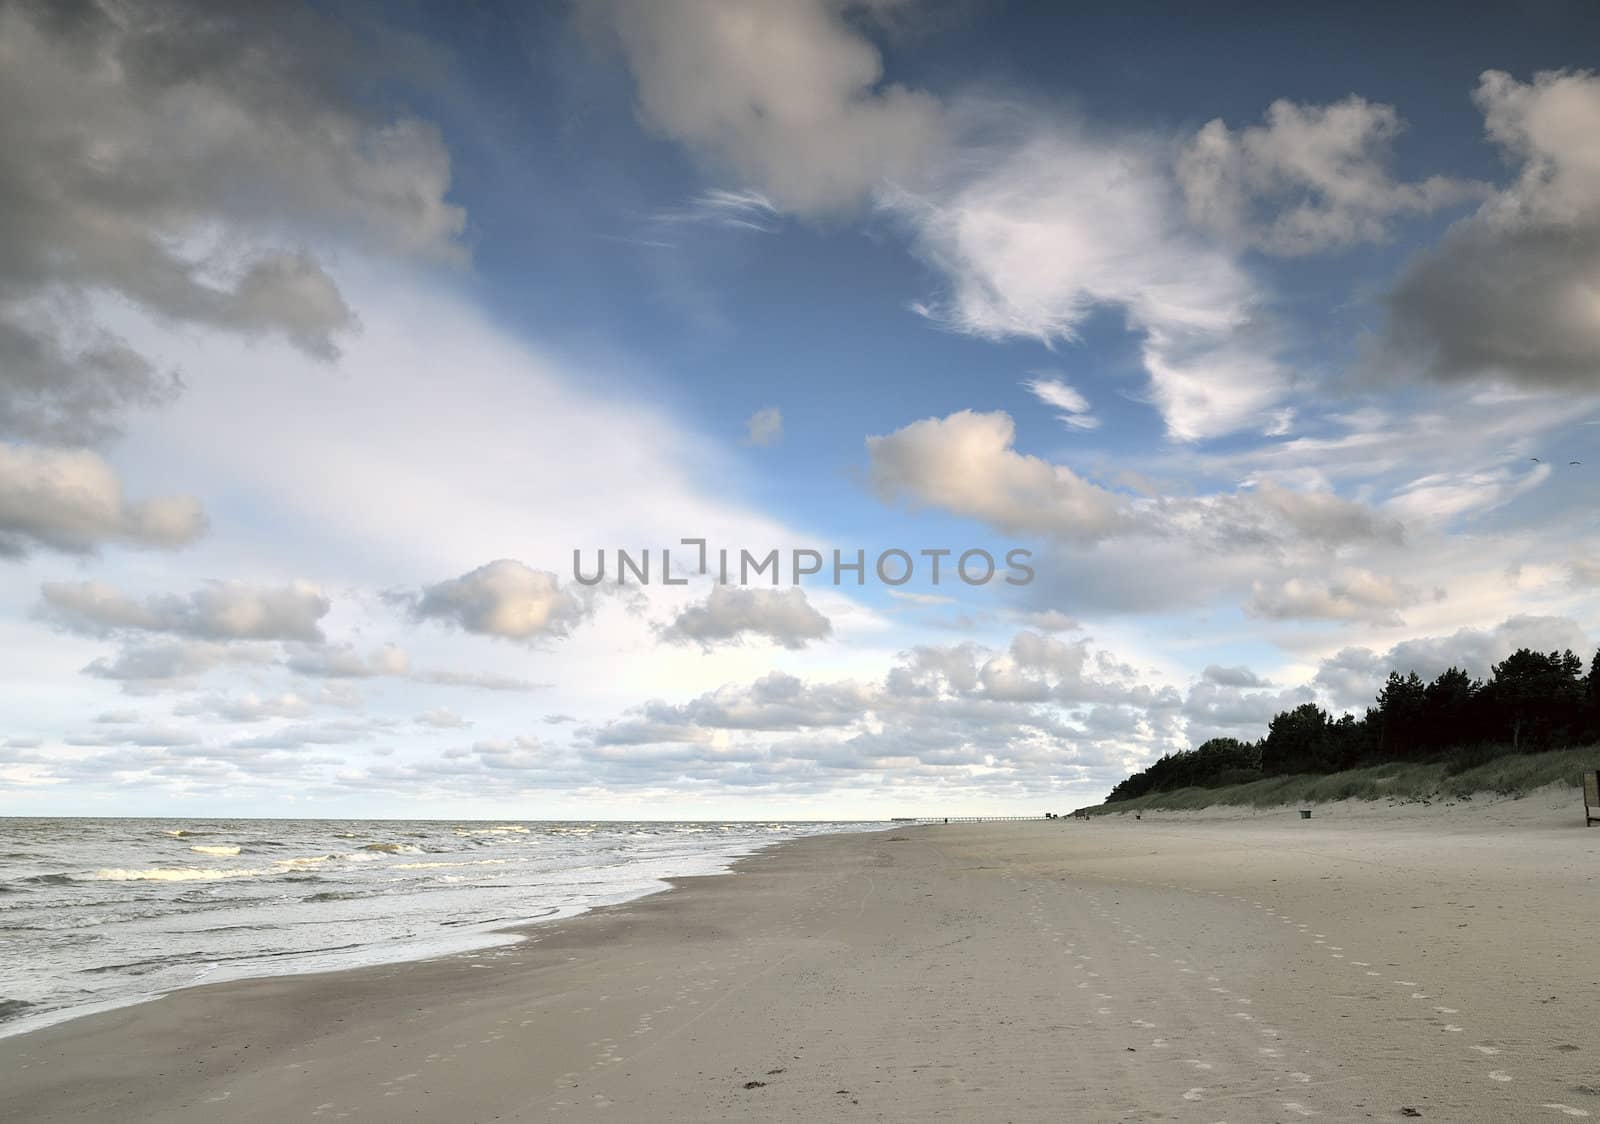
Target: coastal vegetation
[{"x": 1523, "y": 727}]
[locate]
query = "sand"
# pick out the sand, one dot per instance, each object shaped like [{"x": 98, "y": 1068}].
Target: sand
[{"x": 1372, "y": 963}]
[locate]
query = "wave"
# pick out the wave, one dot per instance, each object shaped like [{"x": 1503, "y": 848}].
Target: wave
[
  {"x": 511, "y": 829},
  {"x": 394, "y": 848},
  {"x": 301, "y": 861},
  {"x": 51, "y": 879},
  {"x": 171, "y": 874},
  {"x": 216, "y": 849},
  {"x": 11, "y": 1008},
  {"x": 439, "y": 865},
  {"x": 184, "y": 833},
  {"x": 341, "y": 895}
]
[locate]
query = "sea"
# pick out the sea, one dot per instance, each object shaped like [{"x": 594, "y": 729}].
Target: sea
[{"x": 100, "y": 913}]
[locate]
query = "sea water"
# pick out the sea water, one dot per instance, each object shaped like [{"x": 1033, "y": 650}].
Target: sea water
[{"x": 103, "y": 912}]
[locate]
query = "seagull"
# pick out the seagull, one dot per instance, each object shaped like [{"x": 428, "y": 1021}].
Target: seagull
[
  {"x": 1535, "y": 460},
  {"x": 1574, "y": 462}
]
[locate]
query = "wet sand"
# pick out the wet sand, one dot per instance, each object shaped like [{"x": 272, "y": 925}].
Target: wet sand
[{"x": 1371, "y": 963}]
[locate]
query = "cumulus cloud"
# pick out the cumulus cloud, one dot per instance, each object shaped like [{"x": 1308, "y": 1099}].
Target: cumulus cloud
[
  {"x": 249, "y": 707},
  {"x": 729, "y": 614},
  {"x": 1041, "y": 224},
  {"x": 1311, "y": 178},
  {"x": 171, "y": 153},
  {"x": 775, "y": 702},
  {"x": 965, "y": 464},
  {"x": 764, "y": 427},
  {"x": 1352, "y": 676},
  {"x": 154, "y": 665},
  {"x": 343, "y": 661},
  {"x": 72, "y": 501},
  {"x": 504, "y": 598},
  {"x": 219, "y": 611},
  {"x": 789, "y": 98},
  {"x": 1353, "y": 595},
  {"x": 1215, "y": 709},
  {"x": 1509, "y": 293},
  {"x": 1239, "y": 676}
]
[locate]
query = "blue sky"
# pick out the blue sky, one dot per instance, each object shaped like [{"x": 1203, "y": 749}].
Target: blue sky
[{"x": 325, "y": 342}]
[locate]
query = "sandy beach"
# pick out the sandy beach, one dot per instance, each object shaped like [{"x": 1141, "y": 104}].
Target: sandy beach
[{"x": 1372, "y": 963}]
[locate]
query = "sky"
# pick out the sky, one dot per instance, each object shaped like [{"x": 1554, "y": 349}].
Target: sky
[{"x": 1258, "y": 348}]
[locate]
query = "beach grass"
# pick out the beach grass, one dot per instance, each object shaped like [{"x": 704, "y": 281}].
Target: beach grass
[{"x": 1483, "y": 772}]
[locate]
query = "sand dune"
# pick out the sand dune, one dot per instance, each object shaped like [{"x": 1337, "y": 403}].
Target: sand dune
[{"x": 1371, "y": 963}]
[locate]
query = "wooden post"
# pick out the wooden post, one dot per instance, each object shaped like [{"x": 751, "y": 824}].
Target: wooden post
[{"x": 1591, "y": 798}]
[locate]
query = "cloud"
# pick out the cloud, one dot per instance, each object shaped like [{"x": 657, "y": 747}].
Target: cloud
[
  {"x": 1353, "y": 595},
  {"x": 731, "y": 613},
  {"x": 765, "y": 427},
  {"x": 965, "y": 464},
  {"x": 478, "y": 680},
  {"x": 1074, "y": 407},
  {"x": 1215, "y": 709},
  {"x": 1509, "y": 294},
  {"x": 775, "y": 702},
  {"x": 249, "y": 707},
  {"x": 343, "y": 662},
  {"x": 1232, "y": 676},
  {"x": 1325, "y": 517},
  {"x": 506, "y": 599},
  {"x": 175, "y": 155},
  {"x": 735, "y": 210},
  {"x": 153, "y": 665},
  {"x": 786, "y": 97},
  {"x": 1039, "y": 225},
  {"x": 441, "y": 718},
  {"x": 71, "y": 500},
  {"x": 220, "y": 611},
  {"x": 1312, "y": 178},
  {"x": 1353, "y": 675}
]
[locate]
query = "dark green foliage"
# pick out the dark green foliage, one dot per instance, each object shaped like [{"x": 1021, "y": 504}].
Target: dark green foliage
[{"x": 1533, "y": 701}]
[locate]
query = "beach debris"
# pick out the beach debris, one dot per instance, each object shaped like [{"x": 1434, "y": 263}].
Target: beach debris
[
  {"x": 1407, "y": 1110},
  {"x": 755, "y": 1084}
]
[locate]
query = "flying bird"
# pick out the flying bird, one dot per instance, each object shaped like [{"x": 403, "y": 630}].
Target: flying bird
[
  {"x": 1574, "y": 462},
  {"x": 1535, "y": 460}
]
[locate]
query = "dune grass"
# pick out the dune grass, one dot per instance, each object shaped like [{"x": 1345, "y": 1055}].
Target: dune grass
[{"x": 1508, "y": 774}]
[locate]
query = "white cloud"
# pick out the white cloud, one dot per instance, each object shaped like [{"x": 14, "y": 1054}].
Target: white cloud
[
  {"x": 787, "y": 97},
  {"x": 764, "y": 427},
  {"x": 219, "y": 611},
  {"x": 341, "y": 661},
  {"x": 1312, "y": 178},
  {"x": 441, "y": 718},
  {"x": 507, "y": 599},
  {"x": 729, "y": 614},
  {"x": 71, "y": 500},
  {"x": 1075, "y": 412},
  {"x": 1038, "y": 225},
  {"x": 965, "y": 464}
]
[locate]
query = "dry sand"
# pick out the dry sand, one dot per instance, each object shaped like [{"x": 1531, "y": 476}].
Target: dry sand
[{"x": 1372, "y": 963}]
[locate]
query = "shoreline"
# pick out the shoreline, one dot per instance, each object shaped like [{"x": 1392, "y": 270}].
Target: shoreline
[
  {"x": 416, "y": 948},
  {"x": 1259, "y": 969}
]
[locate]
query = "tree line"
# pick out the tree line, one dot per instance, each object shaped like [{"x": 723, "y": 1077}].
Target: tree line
[{"x": 1532, "y": 701}]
